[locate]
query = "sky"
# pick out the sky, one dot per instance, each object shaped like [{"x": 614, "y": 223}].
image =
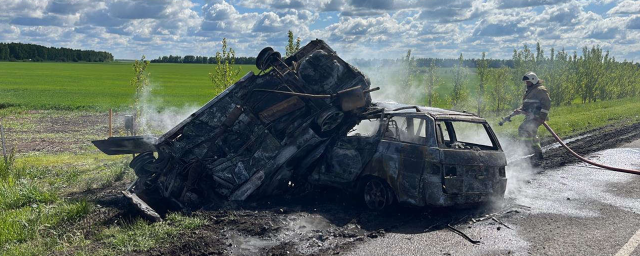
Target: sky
[{"x": 354, "y": 28}]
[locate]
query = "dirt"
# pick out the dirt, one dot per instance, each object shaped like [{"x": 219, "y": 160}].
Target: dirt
[
  {"x": 50, "y": 131},
  {"x": 324, "y": 222}
]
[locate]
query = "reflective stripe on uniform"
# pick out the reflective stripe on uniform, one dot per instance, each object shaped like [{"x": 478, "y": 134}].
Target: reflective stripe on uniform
[
  {"x": 527, "y": 100},
  {"x": 544, "y": 111}
]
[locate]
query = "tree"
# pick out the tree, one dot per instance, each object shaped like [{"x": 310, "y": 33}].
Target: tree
[
  {"x": 497, "y": 88},
  {"x": 433, "y": 80},
  {"x": 20, "y": 51},
  {"x": 409, "y": 68},
  {"x": 189, "y": 59},
  {"x": 291, "y": 46},
  {"x": 482, "y": 66},
  {"x": 140, "y": 82},
  {"x": 459, "y": 93},
  {"x": 4, "y": 52},
  {"x": 225, "y": 72}
]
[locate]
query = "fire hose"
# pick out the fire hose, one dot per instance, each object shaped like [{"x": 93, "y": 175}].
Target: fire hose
[{"x": 615, "y": 169}]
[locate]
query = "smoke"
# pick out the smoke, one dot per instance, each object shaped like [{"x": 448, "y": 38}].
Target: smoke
[
  {"x": 519, "y": 170},
  {"x": 390, "y": 81},
  {"x": 156, "y": 117}
]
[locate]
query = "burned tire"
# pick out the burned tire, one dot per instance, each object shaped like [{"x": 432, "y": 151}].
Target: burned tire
[
  {"x": 140, "y": 163},
  {"x": 266, "y": 58},
  {"x": 329, "y": 120},
  {"x": 377, "y": 194}
]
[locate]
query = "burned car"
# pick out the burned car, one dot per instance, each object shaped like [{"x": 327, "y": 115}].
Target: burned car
[
  {"x": 292, "y": 124},
  {"x": 418, "y": 156},
  {"x": 250, "y": 139}
]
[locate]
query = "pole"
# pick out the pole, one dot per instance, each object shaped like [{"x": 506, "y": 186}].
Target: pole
[
  {"x": 110, "y": 119},
  {"x": 4, "y": 150}
]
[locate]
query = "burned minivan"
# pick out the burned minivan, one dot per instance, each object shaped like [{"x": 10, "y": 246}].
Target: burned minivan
[{"x": 418, "y": 156}]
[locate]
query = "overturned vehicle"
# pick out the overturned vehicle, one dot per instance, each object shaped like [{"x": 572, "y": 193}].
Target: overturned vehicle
[{"x": 293, "y": 123}]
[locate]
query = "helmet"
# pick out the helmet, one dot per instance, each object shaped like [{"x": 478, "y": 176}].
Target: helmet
[{"x": 531, "y": 77}]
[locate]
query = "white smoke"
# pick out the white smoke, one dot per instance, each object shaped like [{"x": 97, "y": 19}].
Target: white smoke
[
  {"x": 519, "y": 170},
  {"x": 390, "y": 81},
  {"x": 156, "y": 117}
]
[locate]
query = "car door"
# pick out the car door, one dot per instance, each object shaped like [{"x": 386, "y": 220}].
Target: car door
[{"x": 403, "y": 150}]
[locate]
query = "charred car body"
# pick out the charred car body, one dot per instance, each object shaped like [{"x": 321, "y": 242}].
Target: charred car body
[
  {"x": 291, "y": 124},
  {"x": 418, "y": 156}
]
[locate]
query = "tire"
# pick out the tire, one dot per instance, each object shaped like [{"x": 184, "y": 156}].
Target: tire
[
  {"x": 140, "y": 162},
  {"x": 327, "y": 121},
  {"x": 377, "y": 194}
]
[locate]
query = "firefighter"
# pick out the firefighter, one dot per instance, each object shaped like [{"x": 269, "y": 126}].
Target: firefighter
[{"x": 535, "y": 106}]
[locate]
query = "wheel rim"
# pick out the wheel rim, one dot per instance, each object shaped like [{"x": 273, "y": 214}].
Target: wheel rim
[
  {"x": 376, "y": 195},
  {"x": 331, "y": 121}
]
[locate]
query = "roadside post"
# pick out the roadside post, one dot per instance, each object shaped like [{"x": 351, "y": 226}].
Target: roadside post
[
  {"x": 110, "y": 122},
  {"x": 4, "y": 150}
]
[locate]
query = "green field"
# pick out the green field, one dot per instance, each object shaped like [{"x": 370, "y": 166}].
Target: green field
[{"x": 100, "y": 86}]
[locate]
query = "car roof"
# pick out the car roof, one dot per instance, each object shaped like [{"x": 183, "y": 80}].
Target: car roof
[{"x": 435, "y": 113}]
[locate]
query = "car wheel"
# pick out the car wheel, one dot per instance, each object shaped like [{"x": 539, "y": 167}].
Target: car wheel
[
  {"x": 140, "y": 162},
  {"x": 329, "y": 120},
  {"x": 377, "y": 194}
]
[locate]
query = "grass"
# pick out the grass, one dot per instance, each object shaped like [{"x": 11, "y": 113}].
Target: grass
[
  {"x": 100, "y": 86},
  {"x": 38, "y": 212},
  {"x": 140, "y": 235}
]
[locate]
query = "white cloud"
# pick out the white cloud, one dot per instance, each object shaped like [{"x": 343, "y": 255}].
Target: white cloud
[
  {"x": 23, "y": 8},
  {"x": 626, "y": 7},
  {"x": 363, "y": 28},
  {"x": 506, "y": 4}
]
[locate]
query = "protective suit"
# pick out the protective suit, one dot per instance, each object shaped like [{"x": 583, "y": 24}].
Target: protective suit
[{"x": 535, "y": 106}]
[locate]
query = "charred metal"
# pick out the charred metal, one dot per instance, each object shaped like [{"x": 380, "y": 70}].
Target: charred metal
[{"x": 309, "y": 119}]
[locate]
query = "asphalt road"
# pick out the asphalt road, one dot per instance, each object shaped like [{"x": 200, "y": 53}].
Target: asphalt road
[{"x": 572, "y": 210}]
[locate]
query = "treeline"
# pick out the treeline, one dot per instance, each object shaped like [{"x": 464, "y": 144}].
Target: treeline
[
  {"x": 200, "y": 59},
  {"x": 592, "y": 76},
  {"x": 426, "y": 62},
  {"x": 33, "y": 52}
]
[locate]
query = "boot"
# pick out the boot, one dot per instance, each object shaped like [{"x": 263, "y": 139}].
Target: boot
[{"x": 537, "y": 158}]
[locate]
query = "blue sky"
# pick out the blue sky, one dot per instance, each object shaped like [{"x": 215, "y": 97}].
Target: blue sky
[{"x": 355, "y": 28}]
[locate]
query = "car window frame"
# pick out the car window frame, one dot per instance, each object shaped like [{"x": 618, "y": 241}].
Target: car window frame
[
  {"x": 429, "y": 133},
  {"x": 453, "y": 137}
]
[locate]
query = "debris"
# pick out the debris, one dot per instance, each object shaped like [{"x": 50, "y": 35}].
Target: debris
[
  {"x": 500, "y": 222},
  {"x": 462, "y": 235}
]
